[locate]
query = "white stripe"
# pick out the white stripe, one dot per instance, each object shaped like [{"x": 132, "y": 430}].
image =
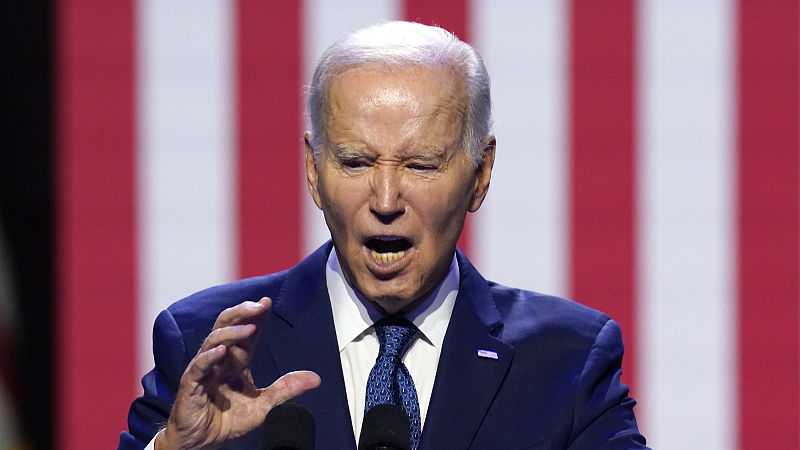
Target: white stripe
[
  {"x": 686, "y": 223},
  {"x": 519, "y": 235},
  {"x": 325, "y": 22},
  {"x": 185, "y": 117}
]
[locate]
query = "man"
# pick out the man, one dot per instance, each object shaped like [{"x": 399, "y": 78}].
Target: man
[{"x": 400, "y": 151}]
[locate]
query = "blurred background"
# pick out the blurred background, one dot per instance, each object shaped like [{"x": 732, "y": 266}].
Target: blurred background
[{"x": 647, "y": 165}]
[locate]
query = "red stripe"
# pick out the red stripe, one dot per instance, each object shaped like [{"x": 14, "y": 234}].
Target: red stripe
[
  {"x": 769, "y": 224},
  {"x": 602, "y": 163},
  {"x": 95, "y": 252},
  {"x": 269, "y": 135},
  {"x": 453, "y": 16}
]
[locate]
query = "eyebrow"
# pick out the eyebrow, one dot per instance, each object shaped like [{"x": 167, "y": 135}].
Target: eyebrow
[
  {"x": 428, "y": 153},
  {"x": 344, "y": 153},
  {"x": 347, "y": 153}
]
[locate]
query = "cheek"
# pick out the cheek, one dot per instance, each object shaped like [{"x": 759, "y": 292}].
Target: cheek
[
  {"x": 444, "y": 207},
  {"x": 341, "y": 200}
]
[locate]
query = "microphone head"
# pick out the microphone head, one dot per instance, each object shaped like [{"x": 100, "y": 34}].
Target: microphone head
[
  {"x": 289, "y": 426},
  {"x": 385, "y": 426}
]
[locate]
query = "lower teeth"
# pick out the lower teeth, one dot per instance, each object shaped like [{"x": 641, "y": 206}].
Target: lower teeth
[{"x": 387, "y": 257}]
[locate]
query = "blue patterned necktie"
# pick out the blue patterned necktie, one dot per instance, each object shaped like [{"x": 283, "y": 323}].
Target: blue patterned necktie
[{"x": 389, "y": 380}]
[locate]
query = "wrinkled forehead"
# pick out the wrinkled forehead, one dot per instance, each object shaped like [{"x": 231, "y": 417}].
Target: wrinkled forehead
[{"x": 441, "y": 87}]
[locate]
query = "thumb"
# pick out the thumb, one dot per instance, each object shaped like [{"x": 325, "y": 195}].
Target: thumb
[{"x": 289, "y": 386}]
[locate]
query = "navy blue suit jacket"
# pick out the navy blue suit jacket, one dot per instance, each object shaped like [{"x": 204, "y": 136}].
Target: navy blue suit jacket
[{"x": 555, "y": 384}]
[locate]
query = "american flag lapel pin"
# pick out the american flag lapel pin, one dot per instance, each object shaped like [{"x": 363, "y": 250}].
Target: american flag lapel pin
[{"x": 487, "y": 354}]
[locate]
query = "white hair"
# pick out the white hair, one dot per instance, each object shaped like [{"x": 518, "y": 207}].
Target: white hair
[{"x": 399, "y": 45}]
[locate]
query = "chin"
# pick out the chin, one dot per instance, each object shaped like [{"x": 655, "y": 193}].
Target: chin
[
  {"x": 394, "y": 307},
  {"x": 394, "y": 301},
  {"x": 393, "y": 296},
  {"x": 389, "y": 303}
]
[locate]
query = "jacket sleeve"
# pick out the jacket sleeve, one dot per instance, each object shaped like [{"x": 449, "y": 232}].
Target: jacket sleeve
[
  {"x": 149, "y": 413},
  {"x": 604, "y": 416}
]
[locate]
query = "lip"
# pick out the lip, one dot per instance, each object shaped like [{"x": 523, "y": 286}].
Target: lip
[{"x": 385, "y": 270}]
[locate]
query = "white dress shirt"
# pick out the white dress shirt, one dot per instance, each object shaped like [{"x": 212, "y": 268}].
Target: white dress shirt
[{"x": 353, "y": 317}]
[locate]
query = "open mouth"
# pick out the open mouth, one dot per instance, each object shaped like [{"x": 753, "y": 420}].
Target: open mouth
[{"x": 386, "y": 249}]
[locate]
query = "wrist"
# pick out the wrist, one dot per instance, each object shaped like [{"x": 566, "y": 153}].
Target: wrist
[
  {"x": 158, "y": 440},
  {"x": 162, "y": 441},
  {"x": 166, "y": 440}
]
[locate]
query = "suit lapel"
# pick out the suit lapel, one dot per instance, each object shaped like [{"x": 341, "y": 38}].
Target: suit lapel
[
  {"x": 301, "y": 336},
  {"x": 466, "y": 383}
]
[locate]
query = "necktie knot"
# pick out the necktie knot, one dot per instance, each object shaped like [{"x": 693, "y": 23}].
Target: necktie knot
[{"x": 394, "y": 336}]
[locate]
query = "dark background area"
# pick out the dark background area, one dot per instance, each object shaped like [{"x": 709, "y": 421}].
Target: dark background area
[{"x": 26, "y": 206}]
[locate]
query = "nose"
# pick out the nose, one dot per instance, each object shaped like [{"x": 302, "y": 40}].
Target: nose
[{"x": 386, "y": 201}]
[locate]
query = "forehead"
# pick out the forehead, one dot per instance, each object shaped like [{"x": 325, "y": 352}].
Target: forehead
[
  {"x": 374, "y": 86},
  {"x": 396, "y": 102}
]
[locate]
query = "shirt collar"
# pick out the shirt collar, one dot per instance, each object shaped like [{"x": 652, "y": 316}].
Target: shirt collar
[{"x": 353, "y": 315}]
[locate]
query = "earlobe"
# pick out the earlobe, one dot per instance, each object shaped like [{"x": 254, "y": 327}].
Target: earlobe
[
  {"x": 483, "y": 173},
  {"x": 312, "y": 176}
]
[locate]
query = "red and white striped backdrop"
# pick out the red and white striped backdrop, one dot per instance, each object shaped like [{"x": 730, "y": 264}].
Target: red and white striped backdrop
[{"x": 647, "y": 165}]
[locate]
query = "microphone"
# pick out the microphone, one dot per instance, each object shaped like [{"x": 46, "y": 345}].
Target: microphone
[
  {"x": 385, "y": 427},
  {"x": 289, "y": 426}
]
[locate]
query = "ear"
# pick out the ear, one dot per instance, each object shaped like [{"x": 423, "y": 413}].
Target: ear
[
  {"x": 312, "y": 176},
  {"x": 483, "y": 174}
]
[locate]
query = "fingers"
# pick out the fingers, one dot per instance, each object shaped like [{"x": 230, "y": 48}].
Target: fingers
[
  {"x": 217, "y": 345},
  {"x": 289, "y": 386},
  {"x": 232, "y": 335},
  {"x": 245, "y": 312},
  {"x": 200, "y": 367}
]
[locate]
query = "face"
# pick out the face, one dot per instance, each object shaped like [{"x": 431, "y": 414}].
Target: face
[{"x": 394, "y": 181}]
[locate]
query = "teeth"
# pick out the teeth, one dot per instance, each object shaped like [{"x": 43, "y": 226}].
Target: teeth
[{"x": 387, "y": 257}]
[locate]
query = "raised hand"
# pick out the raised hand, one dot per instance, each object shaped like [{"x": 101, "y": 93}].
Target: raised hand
[{"x": 217, "y": 400}]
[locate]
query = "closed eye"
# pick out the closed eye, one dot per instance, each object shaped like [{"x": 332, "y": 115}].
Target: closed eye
[
  {"x": 422, "y": 167},
  {"x": 426, "y": 161},
  {"x": 354, "y": 165}
]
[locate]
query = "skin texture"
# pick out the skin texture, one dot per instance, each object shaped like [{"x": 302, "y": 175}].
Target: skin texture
[{"x": 394, "y": 166}]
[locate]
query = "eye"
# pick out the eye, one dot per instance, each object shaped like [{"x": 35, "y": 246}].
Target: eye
[
  {"x": 417, "y": 167},
  {"x": 354, "y": 165}
]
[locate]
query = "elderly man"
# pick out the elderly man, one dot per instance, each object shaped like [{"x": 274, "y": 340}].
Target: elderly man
[{"x": 400, "y": 151}]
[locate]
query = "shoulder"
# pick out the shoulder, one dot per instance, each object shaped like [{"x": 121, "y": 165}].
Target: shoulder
[
  {"x": 189, "y": 320},
  {"x": 526, "y": 312},
  {"x": 549, "y": 328},
  {"x": 211, "y": 301},
  {"x": 550, "y": 324},
  {"x": 199, "y": 311},
  {"x": 525, "y": 316}
]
